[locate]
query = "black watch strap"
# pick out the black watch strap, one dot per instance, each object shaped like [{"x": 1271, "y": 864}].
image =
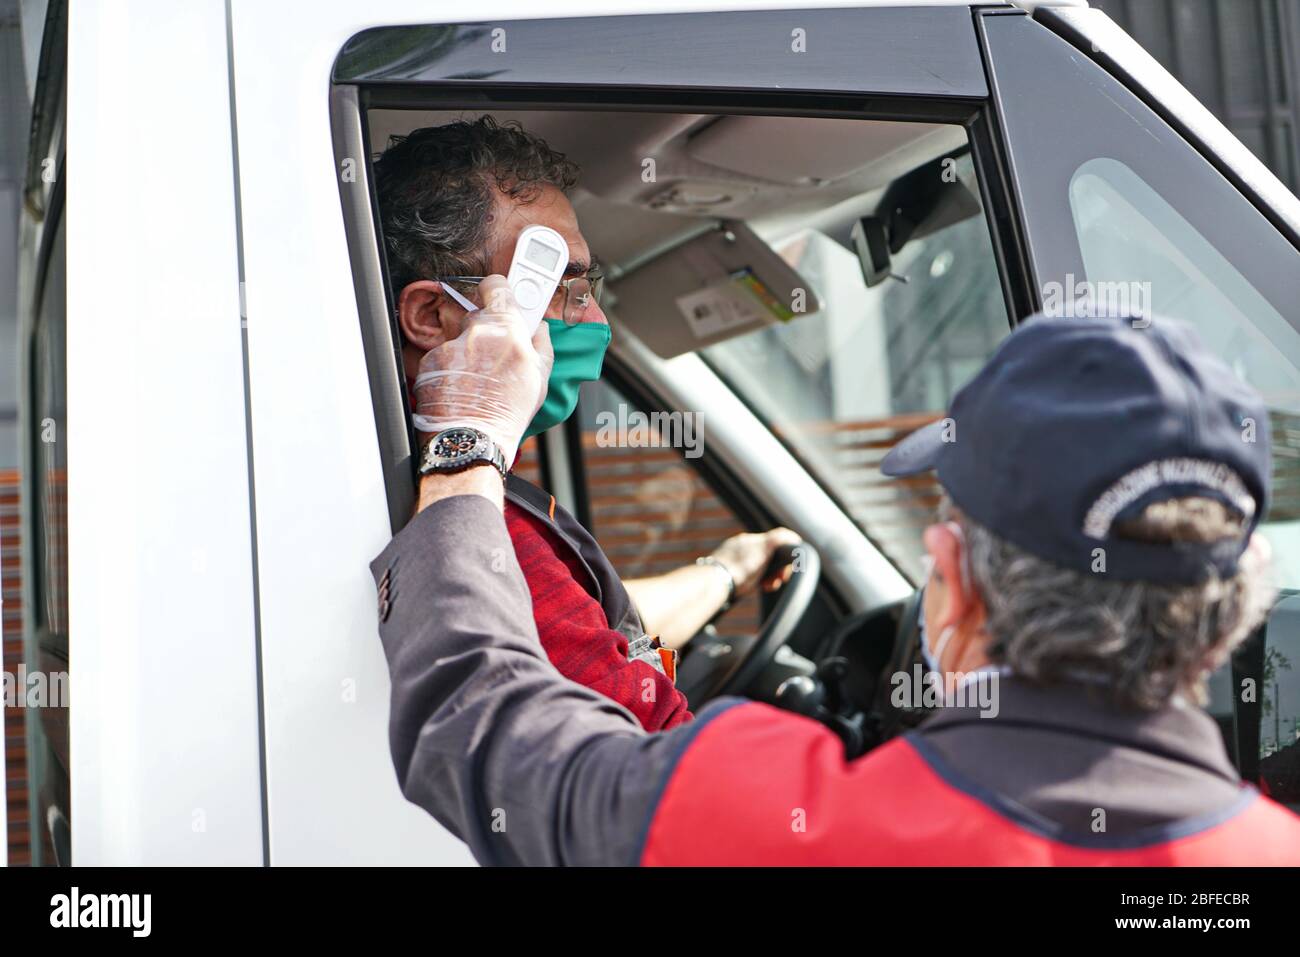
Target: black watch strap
[{"x": 483, "y": 452}]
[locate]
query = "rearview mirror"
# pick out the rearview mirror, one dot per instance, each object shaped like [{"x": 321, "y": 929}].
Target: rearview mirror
[
  {"x": 924, "y": 201},
  {"x": 871, "y": 242}
]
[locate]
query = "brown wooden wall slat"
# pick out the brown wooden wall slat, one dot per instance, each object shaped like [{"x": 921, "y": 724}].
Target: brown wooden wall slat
[{"x": 15, "y": 743}]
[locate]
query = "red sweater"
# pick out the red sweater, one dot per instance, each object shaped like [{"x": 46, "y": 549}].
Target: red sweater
[{"x": 576, "y": 634}]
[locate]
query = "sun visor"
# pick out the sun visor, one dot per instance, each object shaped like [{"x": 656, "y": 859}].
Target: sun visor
[{"x": 720, "y": 284}]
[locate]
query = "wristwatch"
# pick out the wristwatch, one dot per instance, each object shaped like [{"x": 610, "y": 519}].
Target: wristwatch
[
  {"x": 459, "y": 448},
  {"x": 726, "y": 573}
]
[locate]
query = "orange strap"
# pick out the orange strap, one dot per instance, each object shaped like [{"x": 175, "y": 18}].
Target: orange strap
[{"x": 669, "y": 658}]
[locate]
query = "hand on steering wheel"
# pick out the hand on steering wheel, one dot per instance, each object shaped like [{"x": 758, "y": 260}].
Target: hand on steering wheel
[
  {"x": 748, "y": 557},
  {"x": 710, "y": 675}
]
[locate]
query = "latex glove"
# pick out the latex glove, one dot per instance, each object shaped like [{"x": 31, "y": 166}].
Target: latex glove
[
  {"x": 490, "y": 377},
  {"x": 747, "y": 555}
]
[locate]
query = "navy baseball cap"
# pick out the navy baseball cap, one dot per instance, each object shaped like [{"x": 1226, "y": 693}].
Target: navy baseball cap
[{"x": 1077, "y": 424}]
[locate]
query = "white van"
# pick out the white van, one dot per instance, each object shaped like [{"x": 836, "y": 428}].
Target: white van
[{"x": 216, "y": 442}]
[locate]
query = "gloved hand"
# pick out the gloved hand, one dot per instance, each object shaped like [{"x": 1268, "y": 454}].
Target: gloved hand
[{"x": 490, "y": 377}]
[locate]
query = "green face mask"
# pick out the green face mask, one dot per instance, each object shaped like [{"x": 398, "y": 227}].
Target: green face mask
[{"x": 579, "y": 353}]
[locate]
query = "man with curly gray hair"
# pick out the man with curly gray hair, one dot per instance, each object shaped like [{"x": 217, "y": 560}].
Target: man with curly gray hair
[
  {"x": 1070, "y": 549},
  {"x": 1146, "y": 642}
]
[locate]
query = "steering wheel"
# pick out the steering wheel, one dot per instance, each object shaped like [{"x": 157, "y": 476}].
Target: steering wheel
[
  {"x": 890, "y": 720},
  {"x": 704, "y": 674}
]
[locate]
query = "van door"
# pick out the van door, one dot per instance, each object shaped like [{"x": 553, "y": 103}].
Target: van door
[{"x": 919, "y": 64}]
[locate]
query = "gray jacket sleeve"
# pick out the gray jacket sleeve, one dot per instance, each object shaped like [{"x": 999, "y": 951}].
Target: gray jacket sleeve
[{"x": 520, "y": 763}]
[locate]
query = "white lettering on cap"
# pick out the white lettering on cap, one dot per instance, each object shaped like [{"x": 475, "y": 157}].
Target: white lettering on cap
[{"x": 1145, "y": 478}]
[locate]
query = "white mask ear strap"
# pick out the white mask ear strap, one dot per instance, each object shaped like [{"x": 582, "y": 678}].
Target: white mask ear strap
[
  {"x": 962, "y": 564},
  {"x": 944, "y": 638}
]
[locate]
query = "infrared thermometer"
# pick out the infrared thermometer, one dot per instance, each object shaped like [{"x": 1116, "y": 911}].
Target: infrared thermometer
[{"x": 541, "y": 256}]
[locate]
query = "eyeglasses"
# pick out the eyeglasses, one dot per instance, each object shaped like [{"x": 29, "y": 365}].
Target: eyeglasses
[{"x": 578, "y": 293}]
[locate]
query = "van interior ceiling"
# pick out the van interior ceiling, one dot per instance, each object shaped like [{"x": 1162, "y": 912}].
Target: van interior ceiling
[{"x": 673, "y": 203}]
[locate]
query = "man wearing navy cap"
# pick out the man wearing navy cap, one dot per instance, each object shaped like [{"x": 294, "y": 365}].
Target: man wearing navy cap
[{"x": 1095, "y": 560}]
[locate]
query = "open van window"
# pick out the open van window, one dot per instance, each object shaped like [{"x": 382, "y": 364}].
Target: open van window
[{"x": 754, "y": 260}]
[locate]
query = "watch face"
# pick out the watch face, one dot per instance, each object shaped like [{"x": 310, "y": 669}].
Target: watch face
[{"x": 456, "y": 446}]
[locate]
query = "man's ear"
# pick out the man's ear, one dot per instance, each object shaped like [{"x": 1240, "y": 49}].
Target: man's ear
[
  {"x": 962, "y": 603},
  {"x": 428, "y": 317}
]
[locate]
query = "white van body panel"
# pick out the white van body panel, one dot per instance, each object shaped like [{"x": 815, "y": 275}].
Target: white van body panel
[
  {"x": 332, "y": 794},
  {"x": 164, "y": 733}
]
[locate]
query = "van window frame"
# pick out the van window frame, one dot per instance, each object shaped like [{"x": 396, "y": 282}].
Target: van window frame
[
  {"x": 380, "y": 334},
  {"x": 858, "y": 68},
  {"x": 922, "y": 50},
  {"x": 1046, "y": 71},
  {"x": 1093, "y": 33}
]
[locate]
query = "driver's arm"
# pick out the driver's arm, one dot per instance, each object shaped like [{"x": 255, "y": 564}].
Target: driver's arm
[{"x": 676, "y": 605}]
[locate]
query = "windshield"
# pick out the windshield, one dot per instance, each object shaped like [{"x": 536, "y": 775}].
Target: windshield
[{"x": 842, "y": 385}]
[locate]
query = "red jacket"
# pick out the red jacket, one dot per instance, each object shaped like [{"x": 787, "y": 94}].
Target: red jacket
[
  {"x": 764, "y": 787},
  {"x": 575, "y": 631}
]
